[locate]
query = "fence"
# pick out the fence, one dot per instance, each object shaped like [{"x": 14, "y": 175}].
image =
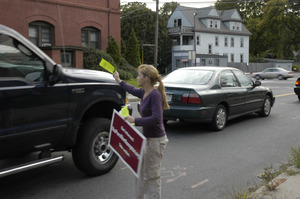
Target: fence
[{"x": 251, "y": 68}]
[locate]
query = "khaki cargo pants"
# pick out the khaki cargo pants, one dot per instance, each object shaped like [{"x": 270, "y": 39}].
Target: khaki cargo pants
[{"x": 148, "y": 186}]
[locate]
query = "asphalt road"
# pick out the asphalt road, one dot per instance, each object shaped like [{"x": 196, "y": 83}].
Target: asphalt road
[{"x": 198, "y": 163}]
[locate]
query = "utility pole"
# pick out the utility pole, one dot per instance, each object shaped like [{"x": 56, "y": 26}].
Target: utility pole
[
  {"x": 195, "y": 40},
  {"x": 156, "y": 35}
]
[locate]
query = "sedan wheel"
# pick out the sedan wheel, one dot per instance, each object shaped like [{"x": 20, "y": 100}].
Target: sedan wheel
[
  {"x": 220, "y": 119},
  {"x": 280, "y": 77},
  {"x": 257, "y": 77},
  {"x": 266, "y": 110}
]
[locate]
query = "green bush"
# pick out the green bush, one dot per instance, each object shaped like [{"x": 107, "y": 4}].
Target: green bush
[
  {"x": 113, "y": 50},
  {"x": 92, "y": 57},
  {"x": 295, "y": 156}
]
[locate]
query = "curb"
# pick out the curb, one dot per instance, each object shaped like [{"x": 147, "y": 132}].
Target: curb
[{"x": 286, "y": 187}]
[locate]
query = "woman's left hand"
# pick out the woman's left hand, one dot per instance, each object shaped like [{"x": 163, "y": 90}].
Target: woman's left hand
[{"x": 130, "y": 119}]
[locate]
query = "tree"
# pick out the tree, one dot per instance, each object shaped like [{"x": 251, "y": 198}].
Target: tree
[
  {"x": 113, "y": 50},
  {"x": 140, "y": 18},
  {"x": 295, "y": 6},
  {"x": 247, "y": 9},
  {"x": 279, "y": 29},
  {"x": 133, "y": 50},
  {"x": 123, "y": 48},
  {"x": 164, "y": 41}
]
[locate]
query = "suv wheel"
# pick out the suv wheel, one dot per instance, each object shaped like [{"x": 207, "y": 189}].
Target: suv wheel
[{"x": 91, "y": 154}]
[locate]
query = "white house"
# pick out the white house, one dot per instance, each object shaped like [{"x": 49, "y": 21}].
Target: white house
[{"x": 220, "y": 37}]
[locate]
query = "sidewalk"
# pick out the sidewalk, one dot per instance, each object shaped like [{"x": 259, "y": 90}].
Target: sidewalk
[
  {"x": 288, "y": 187},
  {"x": 132, "y": 98}
]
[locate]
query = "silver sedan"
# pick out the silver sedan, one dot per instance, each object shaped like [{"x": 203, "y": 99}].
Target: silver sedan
[{"x": 271, "y": 73}]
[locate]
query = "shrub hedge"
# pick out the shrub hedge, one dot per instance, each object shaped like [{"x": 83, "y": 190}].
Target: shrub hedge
[{"x": 92, "y": 58}]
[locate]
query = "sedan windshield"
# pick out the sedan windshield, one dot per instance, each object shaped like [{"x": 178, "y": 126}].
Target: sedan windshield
[{"x": 198, "y": 77}]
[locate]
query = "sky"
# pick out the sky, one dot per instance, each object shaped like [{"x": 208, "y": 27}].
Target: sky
[{"x": 189, "y": 3}]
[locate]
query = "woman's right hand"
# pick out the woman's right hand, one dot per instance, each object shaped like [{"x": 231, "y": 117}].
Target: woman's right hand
[{"x": 117, "y": 77}]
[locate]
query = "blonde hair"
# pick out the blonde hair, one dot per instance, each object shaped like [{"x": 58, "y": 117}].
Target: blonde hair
[{"x": 151, "y": 72}]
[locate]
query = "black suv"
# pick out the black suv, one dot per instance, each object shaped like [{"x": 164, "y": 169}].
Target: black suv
[{"x": 45, "y": 108}]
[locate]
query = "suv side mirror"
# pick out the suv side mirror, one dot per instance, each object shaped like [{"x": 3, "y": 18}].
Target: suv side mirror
[{"x": 56, "y": 75}]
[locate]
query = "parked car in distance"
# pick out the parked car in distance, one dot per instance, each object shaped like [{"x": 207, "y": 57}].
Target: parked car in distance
[
  {"x": 297, "y": 88},
  {"x": 271, "y": 73},
  {"x": 214, "y": 95}
]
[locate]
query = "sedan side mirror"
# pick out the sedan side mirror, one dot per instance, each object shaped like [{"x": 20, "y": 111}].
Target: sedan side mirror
[
  {"x": 257, "y": 83},
  {"x": 56, "y": 75}
]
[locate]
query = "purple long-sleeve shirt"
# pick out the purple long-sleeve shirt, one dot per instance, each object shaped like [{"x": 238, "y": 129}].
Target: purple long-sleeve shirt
[{"x": 151, "y": 110}]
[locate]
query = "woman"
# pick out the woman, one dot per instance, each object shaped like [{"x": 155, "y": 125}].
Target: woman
[{"x": 153, "y": 101}]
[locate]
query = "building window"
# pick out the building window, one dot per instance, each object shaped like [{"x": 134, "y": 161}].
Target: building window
[
  {"x": 177, "y": 22},
  {"x": 242, "y": 58},
  {"x": 242, "y": 42},
  {"x": 226, "y": 41},
  {"x": 231, "y": 57},
  {"x": 238, "y": 26},
  {"x": 209, "y": 49},
  {"x": 211, "y": 23},
  {"x": 90, "y": 37},
  {"x": 67, "y": 59},
  {"x": 217, "y": 62},
  {"x": 233, "y": 25},
  {"x": 41, "y": 33},
  {"x": 198, "y": 40},
  {"x": 232, "y": 42},
  {"x": 203, "y": 62},
  {"x": 217, "y": 41},
  {"x": 185, "y": 40},
  {"x": 177, "y": 63}
]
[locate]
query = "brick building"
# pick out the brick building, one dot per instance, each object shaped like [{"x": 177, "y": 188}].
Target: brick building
[{"x": 62, "y": 28}]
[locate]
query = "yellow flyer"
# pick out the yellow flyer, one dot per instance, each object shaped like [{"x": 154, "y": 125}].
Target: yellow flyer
[{"x": 107, "y": 66}]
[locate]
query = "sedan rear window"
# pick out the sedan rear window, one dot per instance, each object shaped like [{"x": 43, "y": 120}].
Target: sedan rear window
[{"x": 198, "y": 77}]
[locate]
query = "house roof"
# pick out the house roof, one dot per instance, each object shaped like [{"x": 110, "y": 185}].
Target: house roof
[{"x": 212, "y": 13}]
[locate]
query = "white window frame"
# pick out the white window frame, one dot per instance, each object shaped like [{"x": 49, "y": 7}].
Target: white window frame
[
  {"x": 231, "y": 57},
  {"x": 231, "y": 41},
  {"x": 242, "y": 42},
  {"x": 241, "y": 57},
  {"x": 209, "y": 49},
  {"x": 216, "y": 40}
]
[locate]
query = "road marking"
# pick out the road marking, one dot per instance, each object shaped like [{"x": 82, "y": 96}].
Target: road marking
[
  {"x": 284, "y": 94},
  {"x": 180, "y": 175},
  {"x": 200, "y": 183}
]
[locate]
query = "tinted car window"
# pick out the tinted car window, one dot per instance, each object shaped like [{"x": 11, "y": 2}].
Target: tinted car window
[
  {"x": 17, "y": 61},
  {"x": 268, "y": 70},
  {"x": 227, "y": 79},
  {"x": 197, "y": 77},
  {"x": 244, "y": 80}
]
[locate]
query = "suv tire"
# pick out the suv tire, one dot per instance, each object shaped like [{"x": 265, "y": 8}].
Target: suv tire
[{"x": 91, "y": 154}]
